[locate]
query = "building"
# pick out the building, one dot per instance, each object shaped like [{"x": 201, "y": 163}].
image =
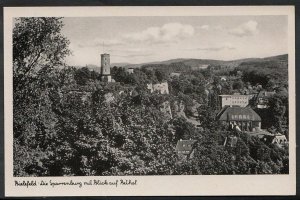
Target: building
[
  {"x": 175, "y": 74},
  {"x": 200, "y": 66},
  {"x": 185, "y": 148},
  {"x": 262, "y": 99},
  {"x": 130, "y": 70},
  {"x": 234, "y": 100},
  {"x": 277, "y": 139},
  {"x": 162, "y": 88},
  {"x": 105, "y": 68},
  {"x": 243, "y": 118}
]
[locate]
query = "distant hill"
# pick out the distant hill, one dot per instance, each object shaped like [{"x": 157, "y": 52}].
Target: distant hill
[
  {"x": 261, "y": 70},
  {"x": 283, "y": 57},
  {"x": 187, "y": 61},
  {"x": 280, "y": 61},
  {"x": 193, "y": 62},
  {"x": 120, "y": 64},
  {"x": 201, "y": 63}
]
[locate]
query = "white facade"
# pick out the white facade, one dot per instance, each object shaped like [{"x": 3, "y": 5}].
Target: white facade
[
  {"x": 234, "y": 100},
  {"x": 130, "y": 70},
  {"x": 163, "y": 88}
]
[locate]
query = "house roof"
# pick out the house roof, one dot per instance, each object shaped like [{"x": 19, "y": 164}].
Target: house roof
[
  {"x": 270, "y": 138},
  {"x": 233, "y": 95},
  {"x": 238, "y": 114},
  {"x": 185, "y": 145}
]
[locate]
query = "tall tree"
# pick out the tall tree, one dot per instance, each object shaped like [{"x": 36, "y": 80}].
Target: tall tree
[
  {"x": 38, "y": 47},
  {"x": 39, "y": 50}
]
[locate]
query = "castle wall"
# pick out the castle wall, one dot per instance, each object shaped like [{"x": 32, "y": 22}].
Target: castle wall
[{"x": 161, "y": 87}]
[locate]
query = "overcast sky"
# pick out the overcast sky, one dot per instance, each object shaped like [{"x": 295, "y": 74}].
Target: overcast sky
[{"x": 146, "y": 39}]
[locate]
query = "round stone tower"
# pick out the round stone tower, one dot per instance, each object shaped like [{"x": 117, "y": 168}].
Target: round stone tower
[{"x": 105, "y": 67}]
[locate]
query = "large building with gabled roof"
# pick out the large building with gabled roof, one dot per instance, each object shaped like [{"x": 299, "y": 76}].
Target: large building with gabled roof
[{"x": 243, "y": 117}]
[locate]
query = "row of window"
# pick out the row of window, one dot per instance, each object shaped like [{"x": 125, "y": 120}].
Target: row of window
[
  {"x": 187, "y": 145},
  {"x": 248, "y": 117},
  {"x": 239, "y": 97},
  {"x": 240, "y": 102},
  {"x": 226, "y": 98}
]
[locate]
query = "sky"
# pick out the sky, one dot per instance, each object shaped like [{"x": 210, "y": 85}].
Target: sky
[{"x": 147, "y": 39}]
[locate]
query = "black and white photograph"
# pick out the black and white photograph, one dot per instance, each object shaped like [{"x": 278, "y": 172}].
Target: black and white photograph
[{"x": 151, "y": 96}]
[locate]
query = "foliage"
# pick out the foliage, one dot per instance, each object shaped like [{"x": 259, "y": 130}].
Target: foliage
[
  {"x": 238, "y": 84},
  {"x": 207, "y": 118},
  {"x": 268, "y": 73},
  {"x": 68, "y": 123},
  {"x": 38, "y": 47},
  {"x": 183, "y": 129},
  {"x": 82, "y": 76}
]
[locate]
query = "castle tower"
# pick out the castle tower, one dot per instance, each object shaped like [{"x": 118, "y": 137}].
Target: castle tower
[{"x": 105, "y": 67}]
